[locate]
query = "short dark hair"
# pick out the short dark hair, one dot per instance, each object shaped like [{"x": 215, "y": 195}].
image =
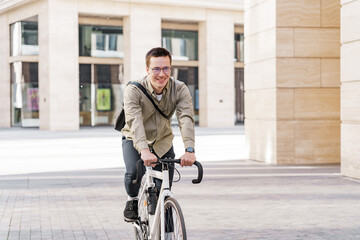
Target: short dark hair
[{"x": 157, "y": 52}]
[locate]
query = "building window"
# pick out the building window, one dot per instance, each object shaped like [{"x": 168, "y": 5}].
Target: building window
[
  {"x": 25, "y": 94},
  {"x": 100, "y": 93},
  {"x": 189, "y": 75},
  {"x": 101, "y": 41},
  {"x": 239, "y": 74},
  {"x": 24, "y": 75},
  {"x": 239, "y": 47},
  {"x": 24, "y": 38},
  {"x": 239, "y": 95},
  {"x": 101, "y": 52},
  {"x": 182, "y": 44}
]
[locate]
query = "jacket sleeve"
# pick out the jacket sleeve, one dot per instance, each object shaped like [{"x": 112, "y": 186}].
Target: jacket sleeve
[
  {"x": 134, "y": 118},
  {"x": 184, "y": 113}
]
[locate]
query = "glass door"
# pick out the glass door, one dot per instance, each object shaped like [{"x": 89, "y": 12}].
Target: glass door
[
  {"x": 239, "y": 95},
  {"x": 100, "y": 93},
  {"x": 25, "y": 94},
  {"x": 188, "y": 75},
  {"x": 85, "y": 94}
]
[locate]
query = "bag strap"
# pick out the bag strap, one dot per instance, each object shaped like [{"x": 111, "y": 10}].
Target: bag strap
[{"x": 141, "y": 87}]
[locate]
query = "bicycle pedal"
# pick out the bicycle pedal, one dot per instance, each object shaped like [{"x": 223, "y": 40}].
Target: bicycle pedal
[{"x": 129, "y": 220}]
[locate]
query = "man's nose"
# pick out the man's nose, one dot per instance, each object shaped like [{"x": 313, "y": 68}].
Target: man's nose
[{"x": 162, "y": 73}]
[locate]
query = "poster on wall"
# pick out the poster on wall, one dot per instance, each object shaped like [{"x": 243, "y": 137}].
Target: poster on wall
[
  {"x": 33, "y": 99},
  {"x": 103, "y": 96}
]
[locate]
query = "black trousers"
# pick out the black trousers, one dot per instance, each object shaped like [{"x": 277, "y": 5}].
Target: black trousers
[{"x": 131, "y": 156}]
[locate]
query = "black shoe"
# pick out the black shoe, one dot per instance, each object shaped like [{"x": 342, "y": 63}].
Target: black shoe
[{"x": 131, "y": 211}]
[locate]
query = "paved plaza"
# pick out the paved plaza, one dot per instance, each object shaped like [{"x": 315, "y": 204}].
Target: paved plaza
[{"x": 69, "y": 185}]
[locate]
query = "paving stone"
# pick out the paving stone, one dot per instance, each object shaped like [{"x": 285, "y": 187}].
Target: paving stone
[{"x": 237, "y": 200}]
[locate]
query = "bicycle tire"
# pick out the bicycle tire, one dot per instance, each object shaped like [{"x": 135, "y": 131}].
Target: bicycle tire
[
  {"x": 137, "y": 234},
  {"x": 174, "y": 220},
  {"x": 141, "y": 234}
]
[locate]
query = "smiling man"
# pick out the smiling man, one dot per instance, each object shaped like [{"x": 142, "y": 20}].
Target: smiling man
[{"x": 147, "y": 134}]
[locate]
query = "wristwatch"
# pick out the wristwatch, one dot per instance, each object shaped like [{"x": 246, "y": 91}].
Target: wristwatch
[{"x": 190, "y": 150}]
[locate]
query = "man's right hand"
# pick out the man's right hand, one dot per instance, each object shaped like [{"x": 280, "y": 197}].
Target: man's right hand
[{"x": 148, "y": 157}]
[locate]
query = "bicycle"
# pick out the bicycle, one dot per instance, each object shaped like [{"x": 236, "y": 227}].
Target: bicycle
[{"x": 162, "y": 218}]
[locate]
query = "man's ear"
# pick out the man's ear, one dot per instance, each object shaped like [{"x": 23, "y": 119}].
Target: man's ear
[{"x": 147, "y": 70}]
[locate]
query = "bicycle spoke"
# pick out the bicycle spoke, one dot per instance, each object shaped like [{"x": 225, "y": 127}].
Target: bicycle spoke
[{"x": 174, "y": 221}]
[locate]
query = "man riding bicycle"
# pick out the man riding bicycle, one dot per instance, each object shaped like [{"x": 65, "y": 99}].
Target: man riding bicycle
[{"x": 147, "y": 134}]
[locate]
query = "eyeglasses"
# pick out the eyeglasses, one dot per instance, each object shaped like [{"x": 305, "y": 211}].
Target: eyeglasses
[{"x": 157, "y": 70}]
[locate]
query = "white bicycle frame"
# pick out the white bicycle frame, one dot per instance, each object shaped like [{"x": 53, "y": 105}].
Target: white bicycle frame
[{"x": 164, "y": 192}]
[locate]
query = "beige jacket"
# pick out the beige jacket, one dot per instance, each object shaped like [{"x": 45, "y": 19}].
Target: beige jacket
[{"x": 144, "y": 124}]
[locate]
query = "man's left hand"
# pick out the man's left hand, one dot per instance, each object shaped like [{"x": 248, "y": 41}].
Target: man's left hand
[{"x": 187, "y": 159}]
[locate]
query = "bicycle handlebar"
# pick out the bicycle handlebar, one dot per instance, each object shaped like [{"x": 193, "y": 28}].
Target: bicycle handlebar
[
  {"x": 140, "y": 169},
  {"x": 200, "y": 173}
]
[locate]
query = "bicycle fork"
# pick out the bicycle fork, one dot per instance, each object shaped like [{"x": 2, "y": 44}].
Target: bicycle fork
[
  {"x": 160, "y": 209},
  {"x": 165, "y": 193}
]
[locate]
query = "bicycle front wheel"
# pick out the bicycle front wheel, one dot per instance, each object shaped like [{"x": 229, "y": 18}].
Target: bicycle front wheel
[
  {"x": 141, "y": 226},
  {"x": 174, "y": 220},
  {"x": 138, "y": 234}
]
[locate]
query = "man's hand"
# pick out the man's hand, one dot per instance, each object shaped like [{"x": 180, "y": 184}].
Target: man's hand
[
  {"x": 148, "y": 157},
  {"x": 187, "y": 159}
]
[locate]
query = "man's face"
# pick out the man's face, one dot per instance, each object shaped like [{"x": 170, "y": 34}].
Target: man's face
[{"x": 159, "y": 72}]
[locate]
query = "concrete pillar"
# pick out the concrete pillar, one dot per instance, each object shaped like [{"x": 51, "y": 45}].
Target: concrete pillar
[
  {"x": 292, "y": 86},
  {"x": 350, "y": 88},
  {"x": 5, "y": 112},
  {"x": 216, "y": 70},
  {"x": 142, "y": 31},
  {"x": 58, "y": 65}
]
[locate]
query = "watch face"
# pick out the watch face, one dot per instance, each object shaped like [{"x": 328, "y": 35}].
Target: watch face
[{"x": 190, "y": 149}]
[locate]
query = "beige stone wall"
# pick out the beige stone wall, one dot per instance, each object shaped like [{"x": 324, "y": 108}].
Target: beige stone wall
[
  {"x": 103, "y": 8},
  {"x": 24, "y": 11},
  {"x": 350, "y": 88},
  {"x": 295, "y": 97},
  {"x": 58, "y": 65},
  {"x": 59, "y": 60},
  {"x": 308, "y": 81},
  {"x": 5, "y": 120},
  {"x": 142, "y": 31},
  {"x": 7, "y": 18},
  {"x": 216, "y": 70},
  {"x": 260, "y": 80}
]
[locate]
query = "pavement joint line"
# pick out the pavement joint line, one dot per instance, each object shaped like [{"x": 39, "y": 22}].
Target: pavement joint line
[{"x": 239, "y": 199}]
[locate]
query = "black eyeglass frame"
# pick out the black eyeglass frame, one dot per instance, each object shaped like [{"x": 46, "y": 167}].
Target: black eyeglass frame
[{"x": 157, "y": 70}]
